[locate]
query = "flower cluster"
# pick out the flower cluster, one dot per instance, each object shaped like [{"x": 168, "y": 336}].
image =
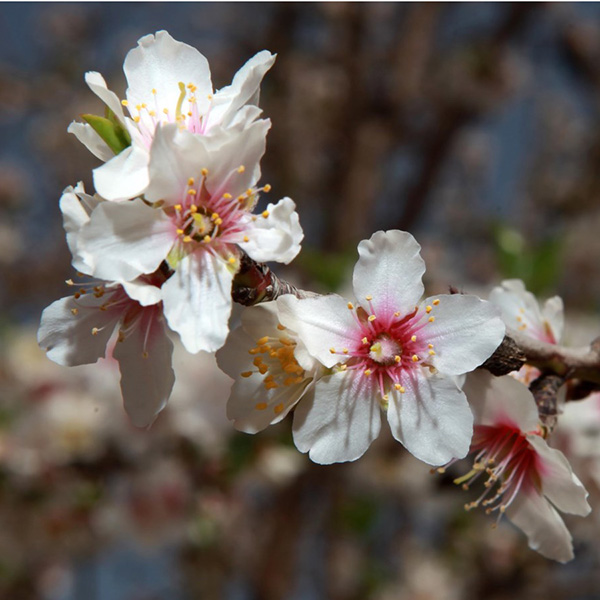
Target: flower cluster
[{"x": 158, "y": 248}]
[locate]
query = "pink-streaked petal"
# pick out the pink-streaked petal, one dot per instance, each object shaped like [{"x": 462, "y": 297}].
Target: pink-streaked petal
[
  {"x": 159, "y": 62},
  {"x": 85, "y": 133},
  {"x": 147, "y": 376},
  {"x": 243, "y": 89},
  {"x": 127, "y": 239},
  {"x": 431, "y": 419},
  {"x": 545, "y": 530},
  {"x": 465, "y": 332},
  {"x": 390, "y": 269},
  {"x": 66, "y": 330},
  {"x": 276, "y": 237},
  {"x": 123, "y": 177},
  {"x": 321, "y": 323},
  {"x": 197, "y": 301},
  {"x": 559, "y": 484},
  {"x": 500, "y": 401},
  {"x": 97, "y": 84},
  {"x": 337, "y": 419}
]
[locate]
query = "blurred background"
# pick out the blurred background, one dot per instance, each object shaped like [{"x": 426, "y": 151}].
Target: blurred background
[{"x": 476, "y": 127}]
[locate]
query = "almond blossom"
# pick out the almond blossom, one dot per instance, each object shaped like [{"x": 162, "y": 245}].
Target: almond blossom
[
  {"x": 77, "y": 329},
  {"x": 168, "y": 82},
  {"x": 386, "y": 352},
  {"x": 527, "y": 480},
  {"x": 196, "y": 215},
  {"x": 271, "y": 369}
]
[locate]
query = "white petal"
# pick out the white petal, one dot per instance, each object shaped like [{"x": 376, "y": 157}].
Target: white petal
[
  {"x": 337, "y": 419},
  {"x": 85, "y": 133},
  {"x": 390, "y": 269},
  {"x": 465, "y": 332},
  {"x": 97, "y": 84},
  {"x": 125, "y": 176},
  {"x": 545, "y": 530},
  {"x": 321, "y": 323},
  {"x": 432, "y": 419},
  {"x": 147, "y": 376},
  {"x": 159, "y": 62},
  {"x": 243, "y": 89},
  {"x": 127, "y": 239},
  {"x": 67, "y": 336},
  {"x": 553, "y": 313},
  {"x": 276, "y": 237},
  {"x": 145, "y": 293},
  {"x": 197, "y": 301},
  {"x": 559, "y": 484},
  {"x": 500, "y": 401},
  {"x": 251, "y": 406},
  {"x": 76, "y": 207}
]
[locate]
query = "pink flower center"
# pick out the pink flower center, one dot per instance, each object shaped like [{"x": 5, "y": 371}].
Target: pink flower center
[{"x": 504, "y": 454}]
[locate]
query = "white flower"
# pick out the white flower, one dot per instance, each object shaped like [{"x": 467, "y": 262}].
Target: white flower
[
  {"x": 77, "y": 329},
  {"x": 168, "y": 82},
  {"x": 528, "y": 480},
  {"x": 520, "y": 311},
  {"x": 389, "y": 353},
  {"x": 203, "y": 190},
  {"x": 270, "y": 366}
]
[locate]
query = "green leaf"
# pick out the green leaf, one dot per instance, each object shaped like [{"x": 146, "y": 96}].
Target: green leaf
[{"x": 110, "y": 130}]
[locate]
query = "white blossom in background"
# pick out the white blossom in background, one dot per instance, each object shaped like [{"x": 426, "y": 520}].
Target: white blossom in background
[
  {"x": 271, "y": 369},
  {"x": 77, "y": 329},
  {"x": 203, "y": 191},
  {"x": 527, "y": 480},
  {"x": 521, "y": 311},
  {"x": 168, "y": 82},
  {"x": 387, "y": 352}
]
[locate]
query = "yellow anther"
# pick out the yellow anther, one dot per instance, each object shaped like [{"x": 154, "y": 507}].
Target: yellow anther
[
  {"x": 206, "y": 239},
  {"x": 191, "y": 181},
  {"x": 246, "y": 374},
  {"x": 280, "y": 327},
  {"x": 263, "y": 340},
  {"x": 431, "y": 352},
  {"x": 193, "y": 208},
  {"x": 372, "y": 318},
  {"x": 413, "y": 338},
  {"x": 187, "y": 239},
  {"x": 369, "y": 298},
  {"x": 189, "y": 114},
  {"x": 246, "y": 238},
  {"x": 431, "y": 319},
  {"x": 345, "y": 350},
  {"x": 191, "y": 192},
  {"x": 166, "y": 111},
  {"x": 177, "y": 207},
  {"x": 428, "y": 309},
  {"x": 332, "y": 350},
  {"x": 265, "y": 214},
  {"x": 267, "y": 188},
  {"x": 95, "y": 331},
  {"x": 179, "y": 231},
  {"x": 385, "y": 397},
  {"x": 74, "y": 311},
  {"x": 204, "y": 172},
  {"x": 397, "y": 358},
  {"x": 436, "y": 302},
  {"x": 152, "y": 113},
  {"x": 137, "y": 119},
  {"x": 260, "y": 406},
  {"x": 231, "y": 260},
  {"x": 278, "y": 409},
  {"x": 138, "y": 106},
  {"x": 241, "y": 169},
  {"x": 350, "y": 305},
  {"x": 430, "y": 345},
  {"x": 397, "y": 313},
  {"x": 343, "y": 367},
  {"x": 144, "y": 105},
  {"x": 367, "y": 372},
  {"x": 145, "y": 354},
  {"x": 415, "y": 358},
  {"x": 70, "y": 282},
  {"x": 154, "y": 91},
  {"x": 365, "y": 340},
  {"x": 227, "y": 196},
  {"x": 124, "y": 102},
  {"x": 399, "y": 388},
  {"x": 249, "y": 192},
  {"x": 218, "y": 221}
]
